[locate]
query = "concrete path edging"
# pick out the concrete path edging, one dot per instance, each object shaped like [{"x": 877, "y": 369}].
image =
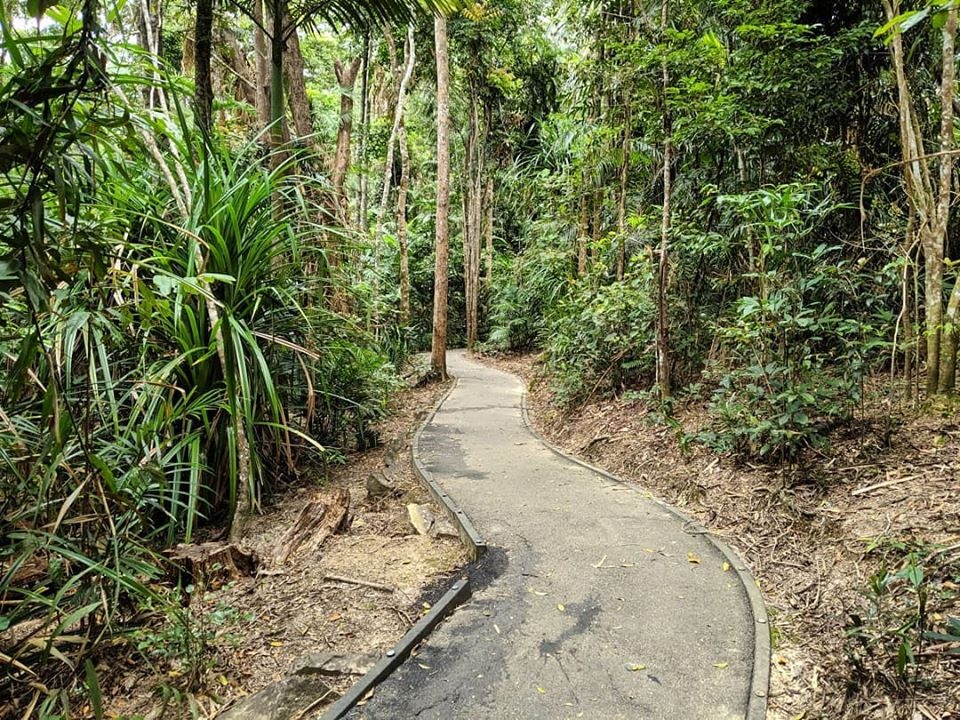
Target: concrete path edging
[
  {"x": 760, "y": 680},
  {"x": 458, "y": 594},
  {"x": 471, "y": 539}
]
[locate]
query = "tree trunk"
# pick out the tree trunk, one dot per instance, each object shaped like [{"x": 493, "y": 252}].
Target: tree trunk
[
  {"x": 663, "y": 276},
  {"x": 203, "y": 84},
  {"x": 151, "y": 39},
  {"x": 364, "y": 132},
  {"x": 240, "y": 68},
  {"x": 402, "y": 241},
  {"x": 488, "y": 232},
  {"x": 347, "y": 77},
  {"x": 948, "y": 352},
  {"x": 409, "y": 52},
  {"x": 472, "y": 198},
  {"x": 920, "y": 191},
  {"x": 441, "y": 260},
  {"x": 622, "y": 206},
  {"x": 410, "y": 59},
  {"x": 278, "y": 10},
  {"x": 294, "y": 71},
  {"x": 261, "y": 63}
]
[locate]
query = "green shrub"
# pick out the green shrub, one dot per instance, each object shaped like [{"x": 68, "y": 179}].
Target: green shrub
[{"x": 601, "y": 338}]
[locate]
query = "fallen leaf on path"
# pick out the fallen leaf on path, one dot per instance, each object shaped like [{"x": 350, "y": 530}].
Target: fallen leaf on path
[
  {"x": 535, "y": 592},
  {"x": 635, "y": 667},
  {"x": 725, "y": 566},
  {"x": 720, "y": 665},
  {"x": 693, "y": 558},
  {"x": 542, "y": 691},
  {"x": 561, "y": 608}
]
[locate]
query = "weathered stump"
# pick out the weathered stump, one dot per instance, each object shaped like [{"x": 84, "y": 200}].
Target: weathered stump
[{"x": 326, "y": 514}]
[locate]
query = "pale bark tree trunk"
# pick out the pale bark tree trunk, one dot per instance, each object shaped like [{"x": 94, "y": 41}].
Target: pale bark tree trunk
[
  {"x": 293, "y": 69},
  {"x": 472, "y": 198},
  {"x": 441, "y": 260},
  {"x": 346, "y": 76},
  {"x": 663, "y": 275},
  {"x": 948, "y": 358},
  {"x": 151, "y": 40},
  {"x": 410, "y": 55},
  {"x": 488, "y": 232},
  {"x": 402, "y": 240},
  {"x": 410, "y": 58},
  {"x": 622, "y": 205},
  {"x": 931, "y": 204}
]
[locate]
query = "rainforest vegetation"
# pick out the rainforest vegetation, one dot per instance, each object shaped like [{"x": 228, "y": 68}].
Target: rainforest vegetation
[{"x": 225, "y": 226}]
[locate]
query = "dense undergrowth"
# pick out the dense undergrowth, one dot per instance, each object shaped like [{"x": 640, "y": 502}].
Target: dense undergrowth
[{"x": 169, "y": 359}]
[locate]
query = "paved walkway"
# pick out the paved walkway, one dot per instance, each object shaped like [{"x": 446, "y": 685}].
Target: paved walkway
[{"x": 598, "y": 603}]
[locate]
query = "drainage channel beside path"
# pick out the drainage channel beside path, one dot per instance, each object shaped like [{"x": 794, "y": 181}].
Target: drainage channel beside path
[{"x": 593, "y": 601}]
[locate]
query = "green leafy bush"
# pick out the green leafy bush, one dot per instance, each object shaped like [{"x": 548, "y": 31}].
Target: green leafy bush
[
  {"x": 790, "y": 361},
  {"x": 525, "y": 294},
  {"x": 601, "y": 338}
]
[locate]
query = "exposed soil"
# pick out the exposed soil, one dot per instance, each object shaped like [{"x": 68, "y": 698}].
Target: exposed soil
[
  {"x": 263, "y": 626},
  {"x": 814, "y": 534}
]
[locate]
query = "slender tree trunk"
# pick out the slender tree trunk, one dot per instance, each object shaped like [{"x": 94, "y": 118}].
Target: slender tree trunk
[
  {"x": 402, "y": 240},
  {"x": 441, "y": 260},
  {"x": 203, "y": 84},
  {"x": 278, "y": 12},
  {"x": 409, "y": 50},
  {"x": 488, "y": 232},
  {"x": 663, "y": 275},
  {"x": 151, "y": 40},
  {"x": 363, "y": 202},
  {"x": 622, "y": 206},
  {"x": 261, "y": 63},
  {"x": 472, "y": 198},
  {"x": 294, "y": 71},
  {"x": 920, "y": 191},
  {"x": 948, "y": 352},
  {"x": 410, "y": 57},
  {"x": 346, "y": 76}
]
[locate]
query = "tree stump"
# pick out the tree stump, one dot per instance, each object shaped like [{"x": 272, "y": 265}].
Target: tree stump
[
  {"x": 212, "y": 562},
  {"x": 323, "y": 516}
]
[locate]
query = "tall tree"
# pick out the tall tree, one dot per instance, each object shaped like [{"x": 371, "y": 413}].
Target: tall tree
[
  {"x": 929, "y": 199},
  {"x": 203, "y": 49},
  {"x": 663, "y": 273},
  {"x": 346, "y": 78},
  {"x": 441, "y": 259}
]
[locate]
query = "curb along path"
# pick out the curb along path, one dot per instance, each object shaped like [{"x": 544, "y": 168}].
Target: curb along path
[{"x": 592, "y": 600}]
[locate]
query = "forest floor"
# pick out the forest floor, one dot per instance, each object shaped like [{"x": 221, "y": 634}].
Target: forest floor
[
  {"x": 856, "y": 549},
  {"x": 261, "y": 628}
]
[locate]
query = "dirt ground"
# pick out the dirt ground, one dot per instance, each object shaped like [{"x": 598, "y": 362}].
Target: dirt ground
[
  {"x": 261, "y": 627},
  {"x": 817, "y": 537}
]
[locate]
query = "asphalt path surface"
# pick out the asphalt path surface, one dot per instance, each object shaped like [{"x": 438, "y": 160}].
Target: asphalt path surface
[{"x": 594, "y": 600}]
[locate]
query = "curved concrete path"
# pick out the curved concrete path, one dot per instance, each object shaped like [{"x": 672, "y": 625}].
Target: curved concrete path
[{"x": 598, "y": 603}]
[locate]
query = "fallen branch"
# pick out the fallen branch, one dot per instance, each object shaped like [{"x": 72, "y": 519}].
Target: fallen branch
[
  {"x": 357, "y": 581},
  {"x": 887, "y": 483}
]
